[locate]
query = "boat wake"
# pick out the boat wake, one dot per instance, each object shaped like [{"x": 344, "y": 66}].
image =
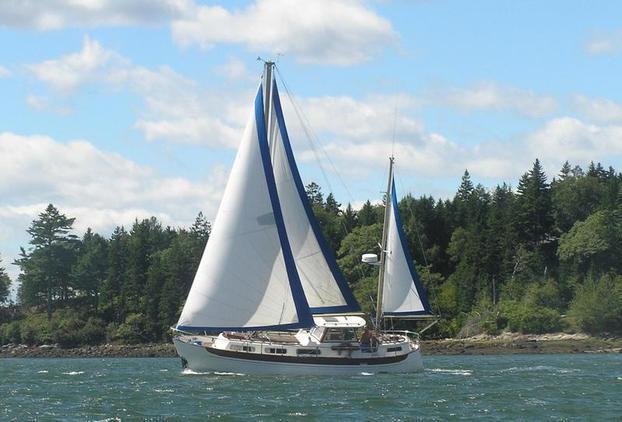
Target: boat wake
[{"x": 192, "y": 372}]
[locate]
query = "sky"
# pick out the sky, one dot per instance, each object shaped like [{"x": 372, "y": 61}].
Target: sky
[{"x": 116, "y": 110}]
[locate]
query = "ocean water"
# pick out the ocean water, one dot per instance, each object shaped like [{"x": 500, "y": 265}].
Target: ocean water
[{"x": 524, "y": 387}]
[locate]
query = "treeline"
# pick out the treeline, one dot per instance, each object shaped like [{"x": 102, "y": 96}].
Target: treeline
[{"x": 544, "y": 257}]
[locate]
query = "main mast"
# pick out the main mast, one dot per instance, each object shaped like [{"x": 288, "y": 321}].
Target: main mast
[
  {"x": 268, "y": 69},
  {"x": 383, "y": 246}
]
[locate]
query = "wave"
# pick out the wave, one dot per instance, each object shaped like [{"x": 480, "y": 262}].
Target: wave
[
  {"x": 463, "y": 372},
  {"x": 73, "y": 373},
  {"x": 540, "y": 368}
]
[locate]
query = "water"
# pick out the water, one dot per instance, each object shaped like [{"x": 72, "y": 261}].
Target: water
[{"x": 522, "y": 387}]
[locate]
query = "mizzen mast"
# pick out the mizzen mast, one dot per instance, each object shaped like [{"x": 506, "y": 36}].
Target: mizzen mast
[{"x": 383, "y": 246}]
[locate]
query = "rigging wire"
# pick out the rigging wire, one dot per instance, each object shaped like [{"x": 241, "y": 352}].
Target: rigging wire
[{"x": 314, "y": 141}]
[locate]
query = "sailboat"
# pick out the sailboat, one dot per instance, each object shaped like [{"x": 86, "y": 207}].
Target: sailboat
[{"x": 268, "y": 297}]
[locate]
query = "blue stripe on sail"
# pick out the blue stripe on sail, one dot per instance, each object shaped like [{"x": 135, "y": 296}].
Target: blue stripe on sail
[
  {"x": 413, "y": 272},
  {"x": 406, "y": 313},
  {"x": 305, "y": 319},
  {"x": 329, "y": 309},
  {"x": 351, "y": 303}
]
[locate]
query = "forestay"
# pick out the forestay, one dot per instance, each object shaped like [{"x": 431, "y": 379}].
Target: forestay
[
  {"x": 404, "y": 294},
  {"x": 247, "y": 278}
]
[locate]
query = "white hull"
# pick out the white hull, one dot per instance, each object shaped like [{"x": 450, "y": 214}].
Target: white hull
[{"x": 200, "y": 358}]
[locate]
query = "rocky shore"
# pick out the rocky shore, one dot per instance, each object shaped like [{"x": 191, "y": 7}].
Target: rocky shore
[
  {"x": 507, "y": 343},
  {"x": 514, "y": 343},
  {"x": 98, "y": 351}
]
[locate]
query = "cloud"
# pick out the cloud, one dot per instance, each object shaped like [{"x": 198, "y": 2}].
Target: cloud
[
  {"x": 99, "y": 188},
  {"x": 320, "y": 31},
  {"x": 177, "y": 109},
  {"x": 58, "y": 14},
  {"x": 4, "y": 72},
  {"x": 566, "y": 138},
  {"x": 73, "y": 70},
  {"x": 492, "y": 96},
  {"x": 600, "y": 110},
  {"x": 605, "y": 43}
]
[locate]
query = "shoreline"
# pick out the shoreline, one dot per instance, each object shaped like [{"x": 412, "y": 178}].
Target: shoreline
[{"x": 507, "y": 343}]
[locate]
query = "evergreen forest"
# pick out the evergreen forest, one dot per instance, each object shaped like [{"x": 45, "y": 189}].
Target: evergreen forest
[{"x": 543, "y": 257}]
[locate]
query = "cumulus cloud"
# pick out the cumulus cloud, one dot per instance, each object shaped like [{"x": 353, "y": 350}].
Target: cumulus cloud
[
  {"x": 177, "y": 109},
  {"x": 58, "y": 14},
  {"x": 73, "y": 70},
  {"x": 566, "y": 138},
  {"x": 82, "y": 174},
  {"x": 99, "y": 188},
  {"x": 320, "y": 31},
  {"x": 492, "y": 96},
  {"x": 600, "y": 110}
]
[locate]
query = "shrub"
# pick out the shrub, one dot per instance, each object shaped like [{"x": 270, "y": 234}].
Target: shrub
[
  {"x": 133, "y": 330},
  {"x": 523, "y": 318},
  {"x": 597, "y": 306},
  {"x": 10, "y": 333}
]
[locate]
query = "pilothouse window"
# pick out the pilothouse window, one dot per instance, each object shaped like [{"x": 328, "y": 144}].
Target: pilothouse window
[{"x": 340, "y": 334}]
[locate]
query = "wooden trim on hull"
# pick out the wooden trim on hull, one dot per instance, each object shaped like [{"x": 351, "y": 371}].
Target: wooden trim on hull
[{"x": 345, "y": 361}]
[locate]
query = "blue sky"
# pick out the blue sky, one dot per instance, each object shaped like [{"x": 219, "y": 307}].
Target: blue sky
[{"x": 120, "y": 110}]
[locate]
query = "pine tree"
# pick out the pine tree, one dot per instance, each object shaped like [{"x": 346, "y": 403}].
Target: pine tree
[
  {"x": 5, "y": 284},
  {"x": 314, "y": 193},
  {"x": 91, "y": 269},
  {"x": 46, "y": 266}
]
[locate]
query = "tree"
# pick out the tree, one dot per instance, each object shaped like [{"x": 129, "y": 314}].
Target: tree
[
  {"x": 46, "y": 266},
  {"x": 112, "y": 303},
  {"x": 593, "y": 245},
  {"x": 201, "y": 229},
  {"x": 314, "y": 193},
  {"x": 5, "y": 283},
  {"x": 91, "y": 269}
]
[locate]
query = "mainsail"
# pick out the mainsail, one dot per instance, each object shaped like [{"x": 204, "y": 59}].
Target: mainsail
[
  {"x": 403, "y": 293},
  {"x": 247, "y": 278}
]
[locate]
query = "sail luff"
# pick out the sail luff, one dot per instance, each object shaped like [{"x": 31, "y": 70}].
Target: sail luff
[{"x": 338, "y": 285}]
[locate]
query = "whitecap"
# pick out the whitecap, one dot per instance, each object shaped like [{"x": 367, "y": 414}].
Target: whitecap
[
  {"x": 163, "y": 370},
  {"x": 539, "y": 368},
  {"x": 367, "y": 373},
  {"x": 191, "y": 372},
  {"x": 229, "y": 373},
  {"x": 463, "y": 372},
  {"x": 73, "y": 373},
  {"x": 165, "y": 390},
  {"x": 42, "y": 372}
]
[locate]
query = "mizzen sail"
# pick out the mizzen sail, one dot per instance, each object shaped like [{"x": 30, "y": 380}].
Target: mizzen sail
[{"x": 403, "y": 293}]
